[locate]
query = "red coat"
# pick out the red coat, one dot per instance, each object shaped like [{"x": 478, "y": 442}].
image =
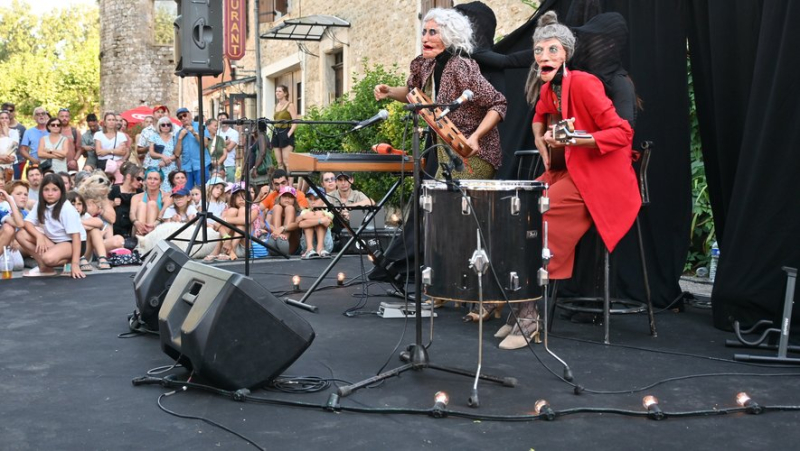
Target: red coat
[{"x": 604, "y": 176}]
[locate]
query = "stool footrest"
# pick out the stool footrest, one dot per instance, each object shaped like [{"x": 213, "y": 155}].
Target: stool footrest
[{"x": 623, "y": 306}]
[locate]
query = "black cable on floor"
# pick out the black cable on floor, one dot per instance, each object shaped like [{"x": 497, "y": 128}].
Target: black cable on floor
[{"x": 205, "y": 420}]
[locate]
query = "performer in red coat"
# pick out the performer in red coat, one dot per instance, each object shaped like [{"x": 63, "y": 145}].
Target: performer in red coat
[{"x": 597, "y": 184}]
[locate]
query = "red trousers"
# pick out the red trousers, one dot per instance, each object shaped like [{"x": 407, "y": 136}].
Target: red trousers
[{"x": 567, "y": 221}]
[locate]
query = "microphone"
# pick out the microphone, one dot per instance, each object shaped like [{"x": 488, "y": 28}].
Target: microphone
[
  {"x": 466, "y": 96},
  {"x": 381, "y": 116},
  {"x": 458, "y": 163}
]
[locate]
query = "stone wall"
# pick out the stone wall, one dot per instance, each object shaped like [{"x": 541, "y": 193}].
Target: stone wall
[{"x": 133, "y": 71}]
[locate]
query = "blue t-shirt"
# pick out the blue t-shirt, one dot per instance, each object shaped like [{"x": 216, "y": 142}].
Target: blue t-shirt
[
  {"x": 190, "y": 151},
  {"x": 31, "y": 139},
  {"x": 5, "y": 211}
]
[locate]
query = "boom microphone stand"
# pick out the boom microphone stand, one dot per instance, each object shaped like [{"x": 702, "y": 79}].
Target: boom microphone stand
[
  {"x": 416, "y": 355},
  {"x": 200, "y": 222}
]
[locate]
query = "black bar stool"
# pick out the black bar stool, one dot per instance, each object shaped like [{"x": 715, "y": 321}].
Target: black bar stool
[{"x": 613, "y": 306}]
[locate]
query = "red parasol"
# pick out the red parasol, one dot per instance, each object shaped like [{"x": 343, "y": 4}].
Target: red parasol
[{"x": 137, "y": 115}]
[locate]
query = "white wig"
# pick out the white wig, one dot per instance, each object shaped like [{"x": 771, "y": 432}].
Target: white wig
[{"x": 454, "y": 29}]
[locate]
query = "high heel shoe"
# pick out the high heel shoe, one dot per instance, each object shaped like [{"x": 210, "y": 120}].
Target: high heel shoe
[
  {"x": 516, "y": 339},
  {"x": 503, "y": 331}
]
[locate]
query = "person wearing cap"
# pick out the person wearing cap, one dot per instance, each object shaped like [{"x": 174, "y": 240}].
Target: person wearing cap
[
  {"x": 346, "y": 196},
  {"x": 316, "y": 222},
  {"x": 181, "y": 209},
  {"x": 189, "y": 146},
  {"x": 283, "y": 221},
  {"x": 215, "y": 198},
  {"x": 280, "y": 180}
]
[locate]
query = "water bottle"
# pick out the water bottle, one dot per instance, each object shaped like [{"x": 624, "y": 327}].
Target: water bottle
[{"x": 712, "y": 272}]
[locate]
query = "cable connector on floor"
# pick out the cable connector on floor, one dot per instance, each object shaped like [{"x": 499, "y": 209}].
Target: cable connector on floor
[
  {"x": 333, "y": 404},
  {"x": 241, "y": 395}
]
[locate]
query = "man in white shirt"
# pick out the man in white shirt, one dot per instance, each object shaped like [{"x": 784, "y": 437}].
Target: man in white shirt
[{"x": 231, "y": 142}]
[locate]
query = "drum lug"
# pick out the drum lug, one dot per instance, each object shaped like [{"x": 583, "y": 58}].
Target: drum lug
[
  {"x": 427, "y": 276},
  {"x": 465, "y": 210},
  {"x": 426, "y": 202},
  {"x": 544, "y": 204},
  {"x": 543, "y": 277},
  {"x": 516, "y": 205},
  {"x": 513, "y": 281}
]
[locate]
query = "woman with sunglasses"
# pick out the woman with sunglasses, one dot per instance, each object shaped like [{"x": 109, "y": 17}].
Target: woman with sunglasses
[
  {"x": 54, "y": 146},
  {"x": 162, "y": 155}
]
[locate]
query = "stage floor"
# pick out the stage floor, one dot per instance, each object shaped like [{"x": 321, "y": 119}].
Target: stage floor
[{"x": 66, "y": 379}]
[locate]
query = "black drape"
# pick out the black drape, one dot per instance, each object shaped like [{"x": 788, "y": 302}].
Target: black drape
[
  {"x": 657, "y": 64},
  {"x": 745, "y": 61}
]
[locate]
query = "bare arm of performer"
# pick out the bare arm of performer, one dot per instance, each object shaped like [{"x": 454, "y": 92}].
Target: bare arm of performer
[
  {"x": 398, "y": 93},
  {"x": 489, "y": 122}
]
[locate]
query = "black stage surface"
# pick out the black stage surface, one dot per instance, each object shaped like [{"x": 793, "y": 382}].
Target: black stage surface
[{"x": 66, "y": 380}]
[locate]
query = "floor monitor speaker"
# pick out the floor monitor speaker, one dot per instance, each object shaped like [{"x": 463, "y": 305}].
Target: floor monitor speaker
[{"x": 228, "y": 329}]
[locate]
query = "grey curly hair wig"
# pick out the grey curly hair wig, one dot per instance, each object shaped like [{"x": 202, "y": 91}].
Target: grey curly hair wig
[
  {"x": 454, "y": 29},
  {"x": 547, "y": 28}
]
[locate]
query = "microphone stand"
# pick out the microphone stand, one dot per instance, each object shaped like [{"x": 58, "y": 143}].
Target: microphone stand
[
  {"x": 416, "y": 355},
  {"x": 200, "y": 222}
]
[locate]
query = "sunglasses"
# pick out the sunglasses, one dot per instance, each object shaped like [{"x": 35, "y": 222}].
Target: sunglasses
[
  {"x": 329, "y": 179},
  {"x": 63, "y": 109},
  {"x": 165, "y": 125},
  {"x": 183, "y": 115},
  {"x": 55, "y": 125},
  {"x": 139, "y": 179}
]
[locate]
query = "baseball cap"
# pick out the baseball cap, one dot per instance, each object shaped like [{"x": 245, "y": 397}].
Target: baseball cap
[
  {"x": 311, "y": 192},
  {"x": 181, "y": 111},
  {"x": 161, "y": 108},
  {"x": 180, "y": 190},
  {"x": 216, "y": 181},
  {"x": 345, "y": 174},
  {"x": 288, "y": 190}
]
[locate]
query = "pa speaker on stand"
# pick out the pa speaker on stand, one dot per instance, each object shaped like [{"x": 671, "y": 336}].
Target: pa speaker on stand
[
  {"x": 198, "y": 38},
  {"x": 228, "y": 329}
]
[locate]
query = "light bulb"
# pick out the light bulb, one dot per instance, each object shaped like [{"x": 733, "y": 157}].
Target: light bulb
[
  {"x": 649, "y": 400},
  {"x": 441, "y": 399},
  {"x": 542, "y": 408},
  {"x": 340, "y": 279},
  {"x": 750, "y": 406},
  {"x": 296, "y": 282},
  {"x": 654, "y": 412}
]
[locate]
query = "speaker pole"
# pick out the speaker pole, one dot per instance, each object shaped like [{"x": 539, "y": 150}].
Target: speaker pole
[{"x": 201, "y": 220}]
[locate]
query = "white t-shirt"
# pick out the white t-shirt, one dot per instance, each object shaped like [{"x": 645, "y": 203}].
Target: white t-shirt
[
  {"x": 233, "y": 135},
  {"x": 59, "y": 230},
  {"x": 108, "y": 144},
  {"x": 170, "y": 212}
]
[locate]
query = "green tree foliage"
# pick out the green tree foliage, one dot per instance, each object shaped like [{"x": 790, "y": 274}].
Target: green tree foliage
[
  {"x": 165, "y": 16},
  {"x": 360, "y": 104},
  {"x": 50, "y": 60},
  {"x": 702, "y": 233}
]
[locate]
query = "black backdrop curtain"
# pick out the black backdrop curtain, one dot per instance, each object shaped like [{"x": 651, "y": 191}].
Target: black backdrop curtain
[
  {"x": 745, "y": 61},
  {"x": 657, "y": 63}
]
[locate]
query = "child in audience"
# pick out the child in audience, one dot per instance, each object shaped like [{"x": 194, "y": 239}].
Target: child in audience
[
  {"x": 285, "y": 230},
  {"x": 59, "y": 242},
  {"x": 181, "y": 209},
  {"x": 234, "y": 215},
  {"x": 11, "y": 222},
  {"x": 197, "y": 198},
  {"x": 315, "y": 222},
  {"x": 94, "y": 226},
  {"x": 215, "y": 197}
]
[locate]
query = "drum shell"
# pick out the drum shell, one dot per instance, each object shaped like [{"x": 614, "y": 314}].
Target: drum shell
[{"x": 513, "y": 242}]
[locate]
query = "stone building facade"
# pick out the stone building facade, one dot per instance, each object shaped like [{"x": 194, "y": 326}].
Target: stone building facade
[
  {"x": 134, "y": 70},
  {"x": 384, "y": 33}
]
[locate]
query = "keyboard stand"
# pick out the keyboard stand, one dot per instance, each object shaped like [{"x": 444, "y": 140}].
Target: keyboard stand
[{"x": 355, "y": 235}]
